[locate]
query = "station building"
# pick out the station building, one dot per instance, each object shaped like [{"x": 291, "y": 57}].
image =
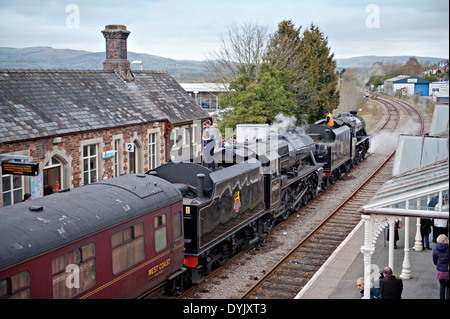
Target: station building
[
  {"x": 207, "y": 95},
  {"x": 439, "y": 92},
  {"x": 407, "y": 85},
  {"x": 88, "y": 125}
]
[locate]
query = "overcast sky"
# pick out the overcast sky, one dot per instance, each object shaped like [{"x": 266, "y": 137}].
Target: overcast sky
[{"x": 190, "y": 29}]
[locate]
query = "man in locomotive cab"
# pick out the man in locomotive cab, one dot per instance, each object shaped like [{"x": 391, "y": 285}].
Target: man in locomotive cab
[
  {"x": 329, "y": 119},
  {"x": 209, "y": 141}
]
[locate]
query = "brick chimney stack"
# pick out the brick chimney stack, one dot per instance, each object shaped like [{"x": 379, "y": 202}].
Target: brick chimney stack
[{"x": 116, "y": 51}]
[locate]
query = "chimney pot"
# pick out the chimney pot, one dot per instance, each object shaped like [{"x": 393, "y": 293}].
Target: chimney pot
[{"x": 116, "y": 51}]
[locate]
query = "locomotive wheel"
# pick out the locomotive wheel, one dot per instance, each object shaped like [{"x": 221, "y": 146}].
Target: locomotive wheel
[
  {"x": 269, "y": 223},
  {"x": 285, "y": 201},
  {"x": 222, "y": 260},
  {"x": 286, "y": 214}
]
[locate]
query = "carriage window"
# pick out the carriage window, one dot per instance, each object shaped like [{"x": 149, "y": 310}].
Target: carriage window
[
  {"x": 16, "y": 287},
  {"x": 177, "y": 230},
  {"x": 127, "y": 247},
  {"x": 160, "y": 232},
  {"x": 81, "y": 259}
]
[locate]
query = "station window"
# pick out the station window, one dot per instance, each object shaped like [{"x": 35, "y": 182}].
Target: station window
[
  {"x": 160, "y": 228},
  {"x": 80, "y": 265},
  {"x": 152, "y": 153},
  {"x": 15, "y": 287},
  {"x": 90, "y": 171},
  {"x": 12, "y": 189},
  {"x": 117, "y": 158},
  {"x": 127, "y": 247}
]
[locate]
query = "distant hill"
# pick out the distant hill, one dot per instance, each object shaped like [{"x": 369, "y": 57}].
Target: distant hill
[
  {"x": 365, "y": 62},
  {"x": 181, "y": 70},
  {"x": 49, "y": 58}
]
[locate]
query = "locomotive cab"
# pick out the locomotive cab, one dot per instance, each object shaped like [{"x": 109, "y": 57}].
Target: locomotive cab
[
  {"x": 216, "y": 206},
  {"x": 333, "y": 146}
]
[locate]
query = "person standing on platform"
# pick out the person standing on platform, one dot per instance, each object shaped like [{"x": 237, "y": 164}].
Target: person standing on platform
[
  {"x": 396, "y": 234},
  {"x": 432, "y": 203},
  {"x": 441, "y": 225},
  {"x": 441, "y": 260},
  {"x": 425, "y": 231},
  {"x": 209, "y": 142},
  {"x": 391, "y": 287}
]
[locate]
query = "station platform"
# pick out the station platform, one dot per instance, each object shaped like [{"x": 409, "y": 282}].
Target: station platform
[{"x": 336, "y": 279}]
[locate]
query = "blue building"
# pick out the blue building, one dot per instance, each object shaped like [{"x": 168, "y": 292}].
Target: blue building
[{"x": 407, "y": 85}]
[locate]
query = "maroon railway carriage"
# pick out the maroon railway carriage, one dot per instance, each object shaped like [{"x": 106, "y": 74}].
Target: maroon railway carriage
[{"x": 118, "y": 238}]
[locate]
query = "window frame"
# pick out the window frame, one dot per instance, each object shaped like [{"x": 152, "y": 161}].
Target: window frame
[
  {"x": 16, "y": 292},
  {"x": 88, "y": 157},
  {"x": 117, "y": 158},
  {"x": 159, "y": 228},
  {"x": 59, "y": 266},
  {"x": 127, "y": 244},
  {"x": 177, "y": 229},
  {"x": 152, "y": 150},
  {"x": 11, "y": 191}
]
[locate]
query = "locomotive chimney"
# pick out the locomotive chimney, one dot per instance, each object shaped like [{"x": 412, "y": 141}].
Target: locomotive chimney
[
  {"x": 200, "y": 189},
  {"x": 116, "y": 51}
]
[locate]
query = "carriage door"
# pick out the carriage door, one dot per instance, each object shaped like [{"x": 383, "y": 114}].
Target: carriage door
[{"x": 163, "y": 243}]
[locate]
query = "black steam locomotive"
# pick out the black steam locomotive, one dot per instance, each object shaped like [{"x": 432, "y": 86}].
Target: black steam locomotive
[
  {"x": 134, "y": 233},
  {"x": 342, "y": 146},
  {"x": 258, "y": 183}
]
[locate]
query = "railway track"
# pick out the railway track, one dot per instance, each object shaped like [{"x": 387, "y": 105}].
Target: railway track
[
  {"x": 288, "y": 277},
  {"x": 293, "y": 272},
  {"x": 285, "y": 279}
]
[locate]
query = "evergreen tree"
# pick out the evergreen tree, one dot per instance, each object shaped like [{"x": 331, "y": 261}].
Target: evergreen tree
[
  {"x": 258, "y": 101},
  {"x": 308, "y": 59},
  {"x": 319, "y": 66},
  {"x": 284, "y": 53},
  {"x": 296, "y": 77}
]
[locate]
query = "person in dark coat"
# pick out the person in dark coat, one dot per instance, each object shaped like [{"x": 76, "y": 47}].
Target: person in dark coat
[
  {"x": 396, "y": 235},
  {"x": 391, "y": 287},
  {"x": 425, "y": 230},
  {"x": 441, "y": 260}
]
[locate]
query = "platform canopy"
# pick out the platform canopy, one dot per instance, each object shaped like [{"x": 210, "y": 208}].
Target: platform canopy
[
  {"x": 414, "y": 194},
  {"x": 419, "y": 188}
]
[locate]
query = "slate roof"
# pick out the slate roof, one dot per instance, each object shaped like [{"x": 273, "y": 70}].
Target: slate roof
[
  {"x": 43, "y": 103},
  {"x": 405, "y": 78},
  {"x": 169, "y": 96}
]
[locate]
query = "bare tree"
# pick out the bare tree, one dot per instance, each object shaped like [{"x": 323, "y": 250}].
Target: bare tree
[
  {"x": 283, "y": 47},
  {"x": 241, "y": 53}
]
